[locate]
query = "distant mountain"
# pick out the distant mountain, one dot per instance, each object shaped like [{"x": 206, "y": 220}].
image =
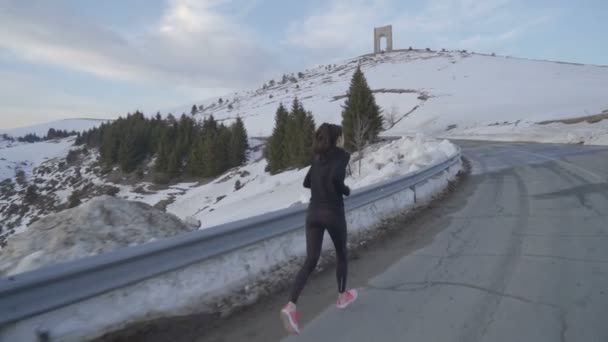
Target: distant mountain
[{"x": 40, "y": 130}]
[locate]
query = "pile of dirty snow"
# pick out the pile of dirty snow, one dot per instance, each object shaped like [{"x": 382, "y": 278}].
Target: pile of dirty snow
[{"x": 99, "y": 226}]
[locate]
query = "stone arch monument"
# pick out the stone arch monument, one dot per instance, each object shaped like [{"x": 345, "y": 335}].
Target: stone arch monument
[{"x": 386, "y": 32}]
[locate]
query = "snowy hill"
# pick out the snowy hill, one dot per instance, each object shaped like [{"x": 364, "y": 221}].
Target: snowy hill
[
  {"x": 451, "y": 94},
  {"x": 27, "y": 156},
  {"x": 240, "y": 193},
  {"x": 439, "y": 94},
  {"x": 40, "y": 130}
]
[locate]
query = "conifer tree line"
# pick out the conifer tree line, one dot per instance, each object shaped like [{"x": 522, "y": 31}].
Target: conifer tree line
[
  {"x": 51, "y": 134},
  {"x": 181, "y": 147},
  {"x": 290, "y": 145}
]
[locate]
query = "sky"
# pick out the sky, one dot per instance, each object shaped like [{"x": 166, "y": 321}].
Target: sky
[{"x": 101, "y": 59}]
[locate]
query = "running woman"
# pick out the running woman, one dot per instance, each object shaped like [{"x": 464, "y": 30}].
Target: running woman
[{"x": 325, "y": 179}]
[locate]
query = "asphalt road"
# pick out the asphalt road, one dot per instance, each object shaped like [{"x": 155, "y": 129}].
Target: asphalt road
[
  {"x": 524, "y": 259},
  {"x": 519, "y": 252}
]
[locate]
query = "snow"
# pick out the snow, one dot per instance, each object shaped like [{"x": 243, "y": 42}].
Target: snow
[
  {"x": 218, "y": 202},
  {"x": 215, "y": 285},
  {"x": 590, "y": 134},
  {"x": 467, "y": 92},
  {"x": 28, "y": 156},
  {"x": 101, "y": 225},
  {"x": 78, "y": 125}
]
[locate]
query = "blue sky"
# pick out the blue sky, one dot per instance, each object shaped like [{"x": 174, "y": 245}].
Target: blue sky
[{"x": 90, "y": 58}]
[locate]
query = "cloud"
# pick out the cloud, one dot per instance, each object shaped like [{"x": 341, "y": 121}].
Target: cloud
[
  {"x": 25, "y": 99},
  {"x": 344, "y": 27},
  {"x": 192, "y": 44},
  {"x": 340, "y": 27}
]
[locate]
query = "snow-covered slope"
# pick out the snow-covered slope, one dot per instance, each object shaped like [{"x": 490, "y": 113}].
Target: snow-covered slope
[
  {"x": 240, "y": 193},
  {"x": 441, "y": 94},
  {"x": 27, "y": 156},
  {"x": 40, "y": 130},
  {"x": 223, "y": 201}
]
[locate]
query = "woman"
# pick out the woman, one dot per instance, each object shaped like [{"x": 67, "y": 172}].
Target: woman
[{"x": 325, "y": 179}]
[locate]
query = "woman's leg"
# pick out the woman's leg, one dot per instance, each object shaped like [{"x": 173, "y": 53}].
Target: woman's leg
[
  {"x": 314, "y": 241},
  {"x": 337, "y": 232}
]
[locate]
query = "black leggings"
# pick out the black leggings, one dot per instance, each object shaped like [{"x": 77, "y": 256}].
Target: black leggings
[{"x": 317, "y": 221}]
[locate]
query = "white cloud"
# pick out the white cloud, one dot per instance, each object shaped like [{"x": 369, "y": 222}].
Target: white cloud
[
  {"x": 344, "y": 27},
  {"x": 26, "y": 99},
  {"x": 193, "y": 44}
]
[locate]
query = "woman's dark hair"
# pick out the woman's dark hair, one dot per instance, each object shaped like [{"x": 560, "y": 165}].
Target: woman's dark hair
[{"x": 326, "y": 137}]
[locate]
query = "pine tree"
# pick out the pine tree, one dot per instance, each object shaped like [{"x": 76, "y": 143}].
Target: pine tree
[
  {"x": 194, "y": 110},
  {"x": 209, "y": 152},
  {"x": 133, "y": 145},
  {"x": 162, "y": 158},
  {"x": 173, "y": 163},
  {"x": 361, "y": 116},
  {"x": 308, "y": 133},
  {"x": 110, "y": 144},
  {"x": 275, "y": 150},
  {"x": 238, "y": 143},
  {"x": 196, "y": 161},
  {"x": 296, "y": 149},
  {"x": 222, "y": 150}
]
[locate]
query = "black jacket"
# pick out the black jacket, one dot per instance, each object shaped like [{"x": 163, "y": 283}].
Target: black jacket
[{"x": 325, "y": 179}]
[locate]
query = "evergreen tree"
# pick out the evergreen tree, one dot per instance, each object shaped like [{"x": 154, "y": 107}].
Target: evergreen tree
[
  {"x": 222, "y": 150},
  {"x": 275, "y": 150},
  {"x": 194, "y": 110},
  {"x": 295, "y": 135},
  {"x": 361, "y": 116},
  {"x": 163, "y": 150},
  {"x": 238, "y": 144},
  {"x": 290, "y": 144},
  {"x": 110, "y": 144},
  {"x": 133, "y": 143},
  {"x": 171, "y": 119},
  {"x": 308, "y": 133},
  {"x": 173, "y": 163},
  {"x": 196, "y": 160}
]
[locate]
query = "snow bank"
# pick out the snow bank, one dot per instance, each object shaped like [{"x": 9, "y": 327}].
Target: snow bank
[
  {"x": 220, "y": 201},
  {"x": 582, "y": 133},
  {"x": 397, "y": 158},
  {"x": 99, "y": 226}
]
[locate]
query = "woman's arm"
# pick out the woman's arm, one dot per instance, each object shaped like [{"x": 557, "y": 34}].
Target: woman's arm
[
  {"x": 340, "y": 175},
  {"x": 307, "y": 179}
]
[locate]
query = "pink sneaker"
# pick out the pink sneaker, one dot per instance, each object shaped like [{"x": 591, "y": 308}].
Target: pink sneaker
[
  {"x": 346, "y": 299},
  {"x": 289, "y": 316}
]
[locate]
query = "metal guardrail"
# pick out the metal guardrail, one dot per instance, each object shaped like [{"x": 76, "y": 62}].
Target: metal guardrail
[{"x": 49, "y": 288}]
